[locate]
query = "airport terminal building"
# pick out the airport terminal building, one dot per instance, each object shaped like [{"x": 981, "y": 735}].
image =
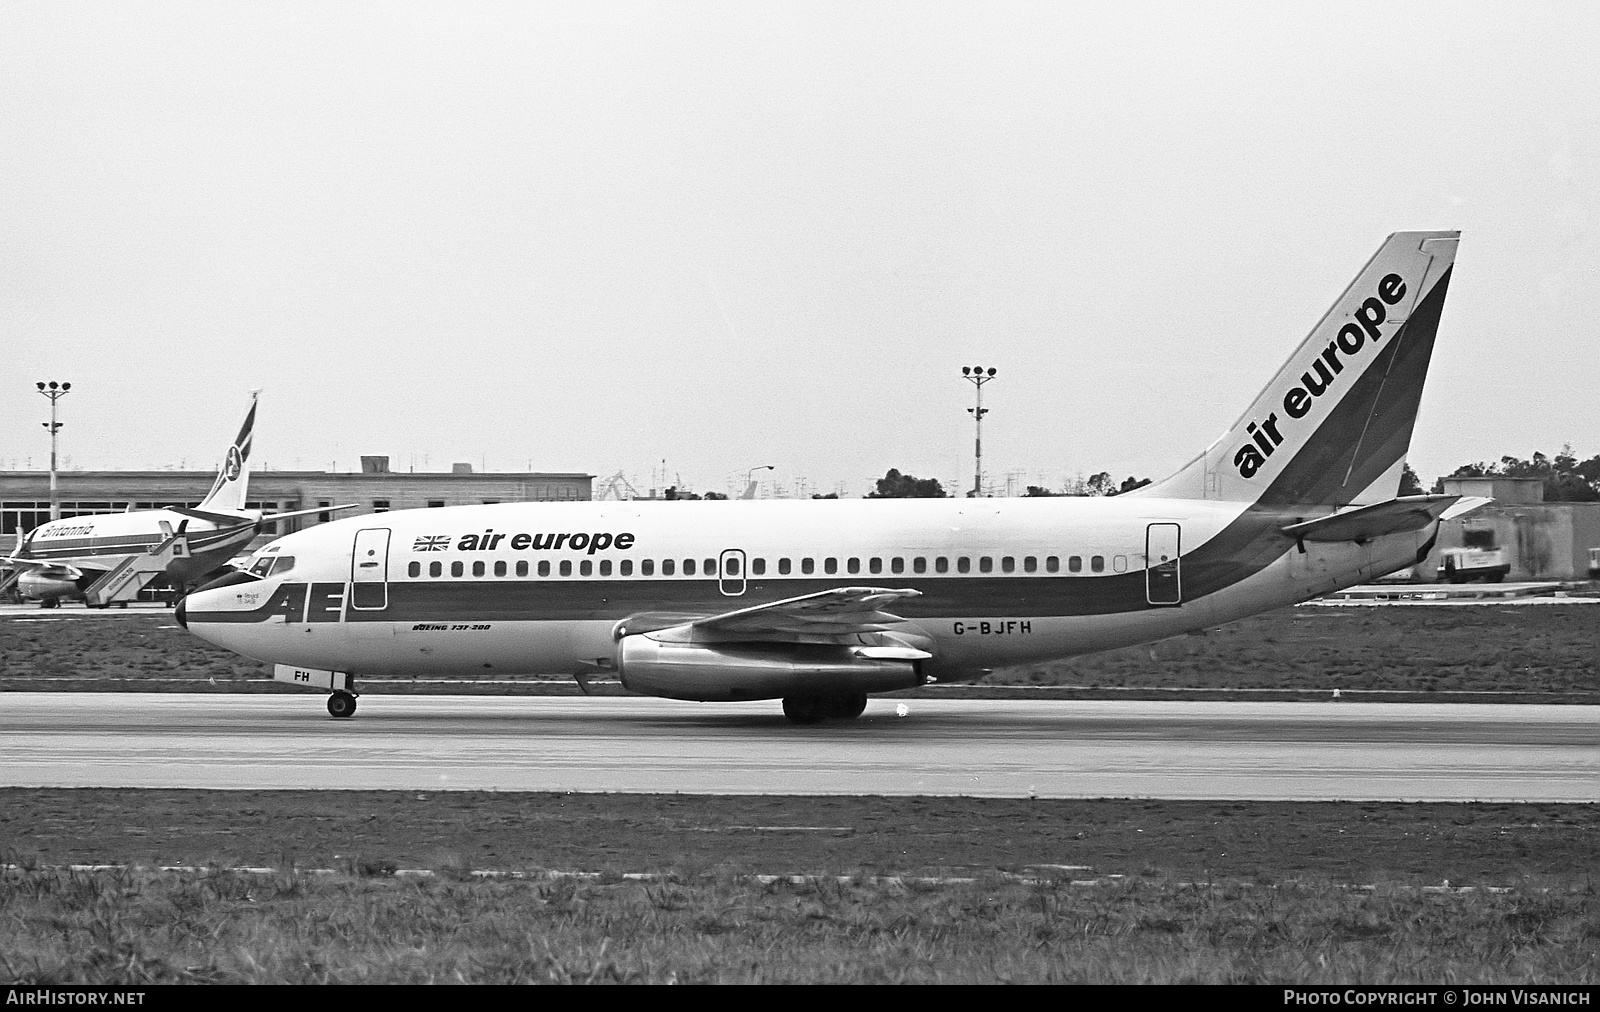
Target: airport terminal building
[{"x": 25, "y": 495}]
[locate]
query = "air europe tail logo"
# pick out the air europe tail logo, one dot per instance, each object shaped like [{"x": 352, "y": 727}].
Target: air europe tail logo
[{"x": 1315, "y": 382}]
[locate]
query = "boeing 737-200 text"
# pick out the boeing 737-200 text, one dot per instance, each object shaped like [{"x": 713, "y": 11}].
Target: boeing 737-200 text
[{"x": 821, "y": 602}]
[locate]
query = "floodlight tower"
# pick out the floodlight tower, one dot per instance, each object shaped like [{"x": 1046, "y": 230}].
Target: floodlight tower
[
  {"x": 978, "y": 377},
  {"x": 55, "y": 391},
  {"x": 750, "y": 479}
]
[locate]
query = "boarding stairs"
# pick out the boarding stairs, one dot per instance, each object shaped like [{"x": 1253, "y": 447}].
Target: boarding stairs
[{"x": 124, "y": 580}]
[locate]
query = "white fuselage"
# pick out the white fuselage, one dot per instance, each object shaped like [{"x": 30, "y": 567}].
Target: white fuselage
[{"x": 500, "y": 589}]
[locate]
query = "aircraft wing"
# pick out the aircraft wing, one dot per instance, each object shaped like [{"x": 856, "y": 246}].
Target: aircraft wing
[
  {"x": 1411, "y": 513},
  {"x": 306, "y": 513},
  {"x": 842, "y": 615},
  {"x": 69, "y": 572},
  {"x": 245, "y": 518},
  {"x": 208, "y": 516}
]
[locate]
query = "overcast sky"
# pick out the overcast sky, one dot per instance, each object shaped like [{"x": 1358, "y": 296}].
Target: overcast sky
[{"x": 590, "y": 237}]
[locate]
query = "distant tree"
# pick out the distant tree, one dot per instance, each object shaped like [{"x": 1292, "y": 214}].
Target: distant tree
[
  {"x": 1099, "y": 484},
  {"x": 1039, "y": 490},
  {"x": 830, "y": 495},
  {"x": 1566, "y": 478},
  {"x": 1129, "y": 484},
  {"x": 895, "y": 485},
  {"x": 715, "y": 495},
  {"x": 1410, "y": 484},
  {"x": 673, "y": 493}
]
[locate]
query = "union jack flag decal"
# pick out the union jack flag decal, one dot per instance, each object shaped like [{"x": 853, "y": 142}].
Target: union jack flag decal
[{"x": 432, "y": 543}]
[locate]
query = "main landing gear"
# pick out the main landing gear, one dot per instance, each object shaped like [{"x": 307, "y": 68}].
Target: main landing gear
[
  {"x": 815, "y": 709},
  {"x": 342, "y": 705}
]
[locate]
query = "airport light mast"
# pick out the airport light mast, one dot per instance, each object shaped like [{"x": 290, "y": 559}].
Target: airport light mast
[
  {"x": 55, "y": 391},
  {"x": 749, "y": 478},
  {"x": 978, "y": 377}
]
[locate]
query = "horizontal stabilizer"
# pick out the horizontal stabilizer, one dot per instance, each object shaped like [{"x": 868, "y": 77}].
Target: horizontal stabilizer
[
  {"x": 1466, "y": 504},
  {"x": 1363, "y": 523}
]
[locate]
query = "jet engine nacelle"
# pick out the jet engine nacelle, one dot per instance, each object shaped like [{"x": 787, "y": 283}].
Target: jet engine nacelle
[
  {"x": 722, "y": 672},
  {"x": 45, "y": 587}
]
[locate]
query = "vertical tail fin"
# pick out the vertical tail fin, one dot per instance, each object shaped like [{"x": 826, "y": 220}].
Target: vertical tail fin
[
  {"x": 232, "y": 486},
  {"x": 1334, "y": 425}
]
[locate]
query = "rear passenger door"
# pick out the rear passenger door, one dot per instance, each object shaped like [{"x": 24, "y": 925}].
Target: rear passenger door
[{"x": 1163, "y": 578}]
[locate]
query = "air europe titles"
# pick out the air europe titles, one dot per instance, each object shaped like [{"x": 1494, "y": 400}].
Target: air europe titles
[
  {"x": 490, "y": 541},
  {"x": 1314, "y": 382}
]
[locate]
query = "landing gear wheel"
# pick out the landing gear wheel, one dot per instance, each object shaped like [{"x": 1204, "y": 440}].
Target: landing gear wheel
[
  {"x": 844, "y": 707},
  {"x": 50, "y": 602},
  {"x": 342, "y": 704},
  {"x": 803, "y": 709}
]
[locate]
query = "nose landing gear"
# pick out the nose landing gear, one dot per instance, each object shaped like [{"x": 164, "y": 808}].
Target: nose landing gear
[{"x": 342, "y": 705}]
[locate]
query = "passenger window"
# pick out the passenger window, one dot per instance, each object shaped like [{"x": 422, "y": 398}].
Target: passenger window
[
  {"x": 1008, "y": 564},
  {"x": 522, "y": 567},
  {"x": 985, "y": 564},
  {"x": 711, "y": 567},
  {"x": 1030, "y": 564},
  {"x": 874, "y": 565},
  {"x": 897, "y": 565},
  {"x": 457, "y": 568},
  {"x": 783, "y": 567},
  {"x": 585, "y": 568},
  {"x": 435, "y": 569},
  {"x": 605, "y": 567},
  {"x": 647, "y": 567},
  {"x": 688, "y": 567},
  {"x": 625, "y": 567},
  {"x": 415, "y": 569},
  {"x": 477, "y": 568},
  {"x": 1052, "y": 564},
  {"x": 1098, "y": 563},
  {"x": 1119, "y": 563},
  {"x": 566, "y": 567},
  {"x": 758, "y": 567},
  {"x": 730, "y": 567},
  {"x": 499, "y": 569},
  {"x": 963, "y": 565},
  {"x": 544, "y": 568},
  {"x": 668, "y": 567},
  {"x": 1075, "y": 564},
  {"x": 830, "y": 566},
  {"x": 941, "y": 564},
  {"x": 852, "y": 565},
  {"x": 919, "y": 565},
  {"x": 808, "y": 566}
]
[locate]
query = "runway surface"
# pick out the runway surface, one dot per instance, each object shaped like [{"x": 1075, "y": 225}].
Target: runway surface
[{"x": 989, "y": 748}]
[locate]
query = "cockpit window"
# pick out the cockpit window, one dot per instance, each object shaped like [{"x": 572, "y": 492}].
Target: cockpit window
[{"x": 272, "y": 564}]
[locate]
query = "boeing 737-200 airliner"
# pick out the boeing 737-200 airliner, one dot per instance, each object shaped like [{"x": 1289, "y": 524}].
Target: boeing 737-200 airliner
[{"x": 819, "y": 603}]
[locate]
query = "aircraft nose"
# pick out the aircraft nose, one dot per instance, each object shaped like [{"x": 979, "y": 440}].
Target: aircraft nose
[{"x": 181, "y": 612}]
